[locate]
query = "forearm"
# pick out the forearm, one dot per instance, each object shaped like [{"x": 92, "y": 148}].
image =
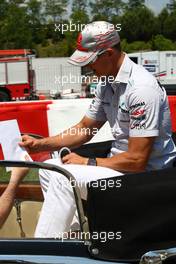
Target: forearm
[
  {"x": 8, "y": 196},
  {"x": 72, "y": 138},
  {"x": 7, "y": 201},
  {"x": 125, "y": 162}
]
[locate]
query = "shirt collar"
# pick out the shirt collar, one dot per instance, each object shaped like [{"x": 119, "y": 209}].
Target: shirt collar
[{"x": 124, "y": 72}]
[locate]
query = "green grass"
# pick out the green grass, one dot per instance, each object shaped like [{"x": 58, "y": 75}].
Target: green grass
[{"x": 31, "y": 176}]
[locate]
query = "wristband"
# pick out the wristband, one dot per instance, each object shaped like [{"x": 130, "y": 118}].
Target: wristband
[{"x": 92, "y": 162}]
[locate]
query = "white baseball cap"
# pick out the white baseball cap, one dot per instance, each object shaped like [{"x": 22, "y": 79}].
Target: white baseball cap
[{"x": 95, "y": 38}]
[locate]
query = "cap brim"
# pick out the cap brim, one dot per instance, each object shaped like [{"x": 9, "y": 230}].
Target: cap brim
[{"x": 82, "y": 58}]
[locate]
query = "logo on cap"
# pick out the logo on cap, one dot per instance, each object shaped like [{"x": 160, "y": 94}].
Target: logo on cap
[{"x": 79, "y": 44}]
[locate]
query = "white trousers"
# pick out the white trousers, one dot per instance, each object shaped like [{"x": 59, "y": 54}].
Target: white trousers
[{"x": 59, "y": 204}]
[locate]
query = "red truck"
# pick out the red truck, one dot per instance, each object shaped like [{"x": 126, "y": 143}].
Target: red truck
[{"x": 17, "y": 79}]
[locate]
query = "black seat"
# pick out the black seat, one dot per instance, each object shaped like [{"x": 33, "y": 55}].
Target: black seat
[
  {"x": 174, "y": 137},
  {"x": 98, "y": 149},
  {"x": 141, "y": 206}
]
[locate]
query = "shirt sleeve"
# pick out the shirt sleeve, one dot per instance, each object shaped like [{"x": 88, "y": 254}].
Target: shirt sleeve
[
  {"x": 96, "y": 110},
  {"x": 144, "y": 112}
]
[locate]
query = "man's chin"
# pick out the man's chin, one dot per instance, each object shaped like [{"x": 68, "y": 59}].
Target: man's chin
[{"x": 99, "y": 74}]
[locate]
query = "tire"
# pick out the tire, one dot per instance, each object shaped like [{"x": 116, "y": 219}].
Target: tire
[{"x": 4, "y": 97}]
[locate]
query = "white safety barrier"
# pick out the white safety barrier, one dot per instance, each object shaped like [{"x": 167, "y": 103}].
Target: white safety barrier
[{"x": 62, "y": 114}]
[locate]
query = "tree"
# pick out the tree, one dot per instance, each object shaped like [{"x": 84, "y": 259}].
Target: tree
[
  {"x": 135, "y": 4},
  {"x": 79, "y": 5},
  {"x": 3, "y": 9},
  {"x": 163, "y": 15},
  {"x": 36, "y": 20},
  {"x": 55, "y": 9},
  {"x": 53, "y": 50},
  {"x": 79, "y": 12},
  {"x": 159, "y": 42},
  {"x": 79, "y": 17},
  {"x": 106, "y": 9},
  {"x": 135, "y": 46},
  {"x": 172, "y": 5},
  {"x": 3, "y": 14},
  {"x": 138, "y": 24},
  {"x": 15, "y": 32},
  {"x": 169, "y": 28}
]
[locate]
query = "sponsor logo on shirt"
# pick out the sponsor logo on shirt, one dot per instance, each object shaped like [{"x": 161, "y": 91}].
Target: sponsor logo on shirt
[
  {"x": 139, "y": 112},
  {"x": 138, "y": 115},
  {"x": 138, "y": 126},
  {"x": 137, "y": 105}
]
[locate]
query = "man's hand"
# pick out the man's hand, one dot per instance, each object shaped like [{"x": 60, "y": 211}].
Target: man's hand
[
  {"x": 73, "y": 158},
  {"x": 29, "y": 143}
]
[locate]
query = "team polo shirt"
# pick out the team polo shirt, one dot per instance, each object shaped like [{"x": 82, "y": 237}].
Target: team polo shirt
[{"x": 135, "y": 105}]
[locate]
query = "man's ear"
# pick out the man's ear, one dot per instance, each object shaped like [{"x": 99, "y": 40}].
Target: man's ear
[{"x": 110, "y": 51}]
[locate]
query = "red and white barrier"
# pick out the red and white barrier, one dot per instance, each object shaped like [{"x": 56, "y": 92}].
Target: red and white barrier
[
  {"x": 49, "y": 118},
  {"x": 31, "y": 116}
]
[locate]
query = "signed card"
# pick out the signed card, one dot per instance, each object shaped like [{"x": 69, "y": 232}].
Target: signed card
[{"x": 9, "y": 138}]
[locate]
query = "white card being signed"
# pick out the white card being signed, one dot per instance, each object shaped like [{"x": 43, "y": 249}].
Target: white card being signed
[{"x": 9, "y": 138}]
